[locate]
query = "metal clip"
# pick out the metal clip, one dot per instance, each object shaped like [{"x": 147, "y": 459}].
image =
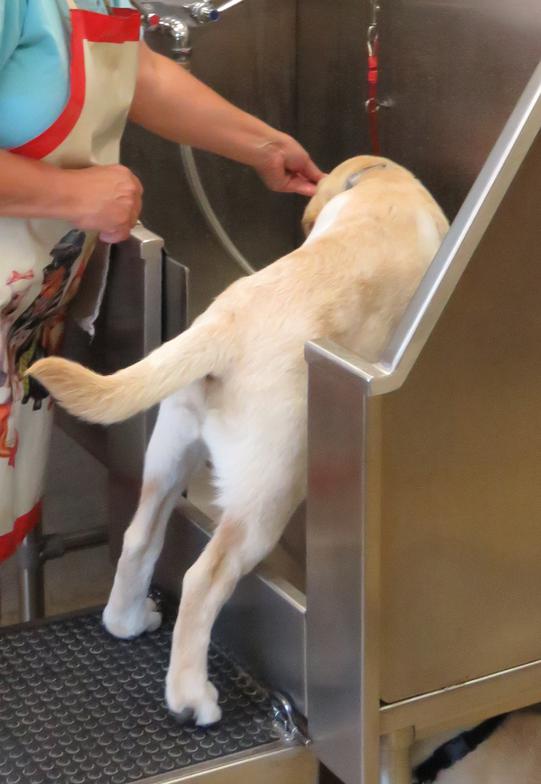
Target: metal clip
[
  {"x": 372, "y": 32},
  {"x": 371, "y": 39},
  {"x": 372, "y": 105},
  {"x": 287, "y": 722}
]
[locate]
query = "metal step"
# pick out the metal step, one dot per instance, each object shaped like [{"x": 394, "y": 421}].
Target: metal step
[{"x": 78, "y": 707}]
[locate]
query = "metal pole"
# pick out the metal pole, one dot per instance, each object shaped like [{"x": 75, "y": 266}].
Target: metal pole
[
  {"x": 31, "y": 579},
  {"x": 396, "y": 757}
]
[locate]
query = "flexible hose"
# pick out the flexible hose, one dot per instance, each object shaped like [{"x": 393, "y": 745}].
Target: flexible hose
[
  {"x": 205, "y": 207},
  {"x": 227, "y": 5}
]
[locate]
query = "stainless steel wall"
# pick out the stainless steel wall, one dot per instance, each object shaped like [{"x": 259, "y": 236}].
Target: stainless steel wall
[
  {"x": 331, "y": 86},
  {"x": 461, "y": 452},
  {"x": 453, "y": 70}
]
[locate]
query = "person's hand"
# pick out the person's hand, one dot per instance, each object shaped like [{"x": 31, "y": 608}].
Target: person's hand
[
  {"x": 286, "y": 166},
  {"x": 106, "y": 199}
]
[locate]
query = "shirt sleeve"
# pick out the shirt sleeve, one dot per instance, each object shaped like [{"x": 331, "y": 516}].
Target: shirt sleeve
[{"x": 12, "y": 14}]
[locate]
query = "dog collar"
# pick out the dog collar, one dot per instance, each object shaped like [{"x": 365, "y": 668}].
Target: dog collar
[
  {"x": 453, "y": 751},
  {"x": 353, "y": 179}
]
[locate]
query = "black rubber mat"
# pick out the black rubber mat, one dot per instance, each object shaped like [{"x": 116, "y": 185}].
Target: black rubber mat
[{"x": 78, "y": 706}]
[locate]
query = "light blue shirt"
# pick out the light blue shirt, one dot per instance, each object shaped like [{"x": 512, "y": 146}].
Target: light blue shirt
[{"x": 34, "y": 64}]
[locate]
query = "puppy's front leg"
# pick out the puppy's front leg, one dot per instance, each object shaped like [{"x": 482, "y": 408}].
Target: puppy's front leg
[{"x": 173, "y": 454}]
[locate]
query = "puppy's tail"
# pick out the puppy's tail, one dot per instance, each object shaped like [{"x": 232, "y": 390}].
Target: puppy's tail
[{"x": 200, "y": 351}]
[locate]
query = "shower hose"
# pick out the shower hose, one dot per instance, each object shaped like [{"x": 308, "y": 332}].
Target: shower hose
[{"x": 212, "y": 220}]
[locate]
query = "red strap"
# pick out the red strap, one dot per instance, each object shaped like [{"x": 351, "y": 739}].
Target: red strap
[
  {"x": 21, "y": 528},
  {"x": 372, "y": 105}
]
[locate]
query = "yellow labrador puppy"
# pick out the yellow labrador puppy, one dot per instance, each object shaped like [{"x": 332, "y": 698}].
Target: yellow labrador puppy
[{"x": 235, "y": 382}]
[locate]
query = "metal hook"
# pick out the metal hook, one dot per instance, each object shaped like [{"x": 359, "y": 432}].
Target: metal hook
[
  {"x": 375, "y": 11},
  {"x": 372, "y": 39},
  {"x": 372, "y": 105}
]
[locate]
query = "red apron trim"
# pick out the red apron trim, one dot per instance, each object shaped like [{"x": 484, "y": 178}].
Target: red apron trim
[
  {"x": 49, "y": 140},
  {"x": 21, "y": 528},
  {"x": 85, "y": 25},
  {"x": 123, "y": 25}
]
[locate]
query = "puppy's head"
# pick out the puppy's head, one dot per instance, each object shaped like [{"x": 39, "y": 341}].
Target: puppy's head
[{"x": 344, "y": 177}]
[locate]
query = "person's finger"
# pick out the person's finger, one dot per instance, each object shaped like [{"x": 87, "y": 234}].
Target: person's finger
[
  {"x": 138, "y": 185},
  {"x": 112, "y": 237},
  {"x": 135, "y": 213},
  {"x": 312, "y": 172},
  {"x": 301, "y": 186}
]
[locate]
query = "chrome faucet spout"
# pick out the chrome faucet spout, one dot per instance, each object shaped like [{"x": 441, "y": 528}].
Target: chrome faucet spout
[{"x": 179, "y": 31}]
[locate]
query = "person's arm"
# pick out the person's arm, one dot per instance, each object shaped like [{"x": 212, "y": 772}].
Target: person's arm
[
  {"x": 172, "y": 103},
  {"x": 106, "y": 199}
]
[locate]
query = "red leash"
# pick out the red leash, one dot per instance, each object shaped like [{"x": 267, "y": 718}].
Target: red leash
[{"x": 372, "y": 104}]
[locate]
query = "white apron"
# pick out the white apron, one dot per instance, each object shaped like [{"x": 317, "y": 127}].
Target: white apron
[{"x": 42, "y": 261}]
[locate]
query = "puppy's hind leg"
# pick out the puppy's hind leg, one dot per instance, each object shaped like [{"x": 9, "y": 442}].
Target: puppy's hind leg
[
  {"x": 240, "y": 542},
  {"x": 174, "y": 453}
]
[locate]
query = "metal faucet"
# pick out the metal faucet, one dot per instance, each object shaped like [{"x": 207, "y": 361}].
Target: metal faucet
[
  {"x": 177, "y": 27},
  {"x": 179, "y": 31}
]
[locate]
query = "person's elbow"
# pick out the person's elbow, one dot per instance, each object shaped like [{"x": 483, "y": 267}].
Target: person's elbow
[{"x": 146, "y": 83}]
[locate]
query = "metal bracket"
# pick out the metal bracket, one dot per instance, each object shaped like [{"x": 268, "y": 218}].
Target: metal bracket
[{"x": 288, "y": 722}]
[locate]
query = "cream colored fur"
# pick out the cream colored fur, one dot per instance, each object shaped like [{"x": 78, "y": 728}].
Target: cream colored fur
[
  {"x": 512, "y": 755},
  {"x": 235, "y": 384}
]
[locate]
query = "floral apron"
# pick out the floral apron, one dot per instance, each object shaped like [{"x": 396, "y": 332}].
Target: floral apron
[{"x": 42, "y": 261}]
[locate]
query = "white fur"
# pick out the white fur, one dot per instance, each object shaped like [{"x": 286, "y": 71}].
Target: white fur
[{"x": 328, "y": 216}]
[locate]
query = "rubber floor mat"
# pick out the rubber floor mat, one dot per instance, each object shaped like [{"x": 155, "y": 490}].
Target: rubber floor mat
[{"x": 78, "y": 706}]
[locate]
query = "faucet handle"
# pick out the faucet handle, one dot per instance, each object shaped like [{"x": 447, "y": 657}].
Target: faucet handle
[
  {"x": 203, "y": 12},
  {"x": 151, "y": 20}
]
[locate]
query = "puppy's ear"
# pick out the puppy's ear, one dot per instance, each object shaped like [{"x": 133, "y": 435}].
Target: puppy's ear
[{"x": 313, "y": 208}]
